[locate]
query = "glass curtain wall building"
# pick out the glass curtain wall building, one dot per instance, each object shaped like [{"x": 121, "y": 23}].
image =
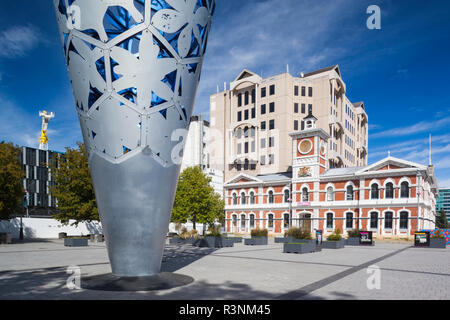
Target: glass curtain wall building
[{"x": 443, "y": 201}]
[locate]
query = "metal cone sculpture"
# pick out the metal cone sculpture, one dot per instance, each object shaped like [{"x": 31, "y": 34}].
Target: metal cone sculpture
[{"x": 134, "y": 67}]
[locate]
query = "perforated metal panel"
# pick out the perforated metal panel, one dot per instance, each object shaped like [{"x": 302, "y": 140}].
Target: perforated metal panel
[{"x": 134, "y": 67}]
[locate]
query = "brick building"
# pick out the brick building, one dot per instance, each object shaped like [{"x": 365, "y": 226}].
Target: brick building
[{"x": 391, "y": 197}]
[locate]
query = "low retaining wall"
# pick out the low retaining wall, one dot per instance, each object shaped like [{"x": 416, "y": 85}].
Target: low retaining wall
[
  {"x": 45, "y": 228},
  {"x": 444, "y": 232}
]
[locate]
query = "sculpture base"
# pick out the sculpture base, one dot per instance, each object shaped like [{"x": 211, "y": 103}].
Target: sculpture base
[{"x": 160, "y": 281}]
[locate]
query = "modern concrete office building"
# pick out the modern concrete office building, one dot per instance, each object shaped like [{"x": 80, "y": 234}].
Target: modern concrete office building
[
  {"x": 252, "y": 119},
  {"x": 38, "y": 179},
  {"x": 196, "y": 152},
  {"x": 443, "y": 202}
]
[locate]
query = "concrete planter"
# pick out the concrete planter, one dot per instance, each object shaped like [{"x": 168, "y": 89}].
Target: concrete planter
[
  {"x": 5, "y": 238},
  {"x": 178, "y": 240},
  {"x": 256, "y": 241},
  {"x": 438, "y": 243},
  {"x": 305, "y": 247},
  {"x": 236, "y": 239},
  {"x": 333, "y": 244},
  {"x": 215, "y": 242},
  {"x": 76, "y": 242},
  {"x": 352, "y": 241}
]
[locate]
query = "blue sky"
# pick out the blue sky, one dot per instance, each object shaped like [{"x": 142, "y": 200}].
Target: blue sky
[{"x": 401, "y": 72}]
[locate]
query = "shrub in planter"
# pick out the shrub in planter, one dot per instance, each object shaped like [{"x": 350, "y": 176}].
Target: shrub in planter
[
  {"x": 258, "y": 237},
  {"x": 76, "y": 242},
  {"x": 299, "y": 233},
  {"x": 259, "y": 233},
  {"x": 298, "y": 247},
  {"x": 353, "y": 237},
  {"x": 354, "y": 233}
]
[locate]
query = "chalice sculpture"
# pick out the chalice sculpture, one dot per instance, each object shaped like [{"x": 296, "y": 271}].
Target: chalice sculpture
[{"x": 134, "y": 66}]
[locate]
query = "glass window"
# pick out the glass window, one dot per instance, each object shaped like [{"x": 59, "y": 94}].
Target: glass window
[
  {"x": 239, "y": 116},
  {"x": 246, "y": 114},
  {"x": 330, "y": 194},
  {"x": 349, "y": 220},
  {"x": 310, "y": 91},
  {"x": 295, "y": 125},
  {"x": 374, "y": 191},
  {"x": 263, "y": 160},
  {"x": 252, "y": 197},
  {"x": 295, "y": 90},
  {"x": 271, "y": 124},
  {"x": 388, "y": 220},
  {"x": 242, "y": 198},
  {"x": 303, "y": 91},
  {"x": 272, "y": 107},
  {"x": 329, "y": 220},
  {"x": 263, "y": 92},
  {"x": 246, "y": 147},
  {"x": 286, "y": 221},
  {"x": 404, "y": 190},
  {"x": 272, "y": 90},
  {"x": 270, "y": 220},
  {"x": 271, "y": 158},
  {"x": 253, "y": 113},
  {"x": 295, "y": 107},
  {"x": 271, "y": 196},
  {"x": 310, "y": 110},
  {"x": 252, "y": 221},
  {"x": 242, "y": 221},
  {"x": 263, "y": 109},
  {"x": 286, "y": 196},
  {"x": 373, "y": 220},
  {"x": 350, "y": 192},
  {"x": 239, "y": 99},
  {"x": 246, "y": 97},
  {"x": 263, "y": 126},
  {"x": 239, "y": 148},
  {"x": 403, "y": 220},
  {"x": 389, "y": 190},
  {"x": 271, "y": 142},
  {"x": 235, "y": 199},
  {"x": 253, "y": 96},
  {"x": 263, "y": 143},
  {"x": 235, "y": 220},
  {"x": 239, "y": 133},
  {"x": 305, "y": 195},
  {"x": 303, "y": 108}
]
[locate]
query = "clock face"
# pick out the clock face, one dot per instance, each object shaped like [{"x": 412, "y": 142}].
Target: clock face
[
  {"x": 305, "y": 146},
  {"x": 323, "y": 148}
]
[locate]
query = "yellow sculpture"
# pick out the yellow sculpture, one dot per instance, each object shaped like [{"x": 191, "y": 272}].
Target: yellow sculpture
[{"x": 43, "y": 140}]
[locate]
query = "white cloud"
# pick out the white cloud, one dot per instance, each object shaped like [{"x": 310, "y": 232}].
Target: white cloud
[
  {"x": 423, "y": 126},
  {"x": 18, "y": 41}
]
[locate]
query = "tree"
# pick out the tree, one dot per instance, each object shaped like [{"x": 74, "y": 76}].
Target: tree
[
  {"x": 73, "y": 188},
  {"x": 441, "y": 220},
  {"x": 195, "y": 199},
  {"x": 11, "y": 181}
]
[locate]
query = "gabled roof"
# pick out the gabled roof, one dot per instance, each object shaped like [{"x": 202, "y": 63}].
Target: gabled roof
[
  {"x": 341, "y": 171},
  {"x": 310, "y": 116},
  {"x": 263, "y": 178},
  {"x": 335, "y": 67},
  {"x": 242, "y": 176},
  {"x": 398, "y": 163},
  {"x": 245, "y": 74}
]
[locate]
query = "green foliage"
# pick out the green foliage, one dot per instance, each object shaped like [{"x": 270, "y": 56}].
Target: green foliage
[
  {"x": 195, "y": 199},
  {"x": 11, "y": 181},
  {"x": 353, "y": 233},
  {"x": 259, "y": 232},
  {"x": 299, "y": 233},
  {"x": 214, "y": 231},
  {"x": 441, "y": 220},
  {"x": 336, "y": 236},
  {"x": 73, "y": 188}
]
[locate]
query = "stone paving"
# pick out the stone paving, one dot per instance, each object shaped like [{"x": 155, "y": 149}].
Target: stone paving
[{"x": 38, "y": 270}]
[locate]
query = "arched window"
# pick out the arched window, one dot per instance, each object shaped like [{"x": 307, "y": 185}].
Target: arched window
[
  {"x": 243, "y": 198},
  {"x": 329, "y": 220},
  {"x": 374, "y": 220},
  {"x": 252, "y": 197},
  {"x": 234, "y": 220},
  {"x": 271, "y": 197},
  {"x": 404, "y": 217},
  {"x": 270, "y": 220},
  {"x": 286, "y": 221},
  {"x": 305, "y": 195},
  {"x": 246, "y": 132},
  {"x": 252, "y": 221},
  {"x": 242, "y": 221},
  {"x": 389, "y": 192},
  {"x": 349, "y": 192},
  {"x": 349, "y": 220},
  {"x": 374, "y": 191},
  {"x": 239, "y": 133},
  {"x": 388, "y": 218},
  {"x": 286, "y": 195},
  {"x": 235, "y": 200},
  {"x": 404, "y": 190},
  {"x": 330, "y": 194}
]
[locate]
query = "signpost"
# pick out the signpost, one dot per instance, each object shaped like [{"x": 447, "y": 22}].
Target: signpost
[{"x": 366, "y": 238}]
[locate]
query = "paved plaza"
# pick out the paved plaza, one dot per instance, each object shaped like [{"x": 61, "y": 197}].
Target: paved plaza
[{"x": 38, "y": 270}]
